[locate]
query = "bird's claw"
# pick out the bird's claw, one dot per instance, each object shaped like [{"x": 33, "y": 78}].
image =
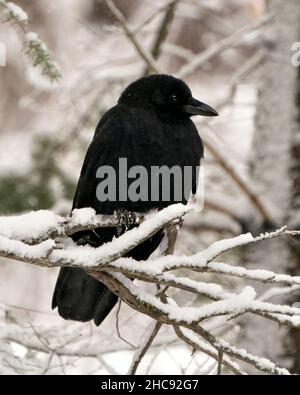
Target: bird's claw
[{"x": 126, "y": 218}]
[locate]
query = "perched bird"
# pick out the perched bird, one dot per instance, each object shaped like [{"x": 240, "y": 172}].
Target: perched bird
[{"x": 150, "y": 126}]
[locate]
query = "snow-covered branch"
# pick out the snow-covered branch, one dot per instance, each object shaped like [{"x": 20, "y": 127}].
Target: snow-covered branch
[
  {"x": 38, "y": 52},
  {"x": 197, "y": 344},
  {"x": 144, "y": 54},
  {"x": 34, "y": 47},
  {"x": 214, "y": 147},
  {"x": 194, "y": 62},
  {"x": 32, "y": 238},
  {"x": 13, "y": 13},
  {"x": 36, "y": 227}
]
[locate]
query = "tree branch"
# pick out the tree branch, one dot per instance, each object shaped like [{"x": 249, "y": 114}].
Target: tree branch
[
  {"x": 213, "y": 146},
  {"x": 140, "y": 353},
  {"x": 108, "y": 266},
  {"x": 232, "y": 41},
  {"x": 163, "y": 31},
  {"x": 144, "y": 54},
  {"x": 205, "y": 348}
]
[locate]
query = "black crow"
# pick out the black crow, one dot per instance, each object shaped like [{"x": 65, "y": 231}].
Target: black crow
[{"x": 150, "y": 126}]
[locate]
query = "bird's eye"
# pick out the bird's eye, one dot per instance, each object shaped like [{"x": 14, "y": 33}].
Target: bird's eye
[{"x": 174, "y": 98}]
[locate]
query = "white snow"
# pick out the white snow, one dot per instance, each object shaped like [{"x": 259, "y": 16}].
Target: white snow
[
  {"x": 88, "y": 257},
  {"x": 284, "y": 319},
  {"x": 234, "y": 305},
  {"x": 87, "y": 217},
  {"x": 17, "y": 12},
  {"x": 278, "y": 291},
  {"x": 139, "y": 351},
  {"x": 259, "y": 275},
  {"x": 263, "y": 363},
  {"x": 215, "y": 290},
  {"x": 263, "y": 275},
  {"x": 25, "y": 251},
  {"x": 38, "y": 48},
  {"x": 82, "y": 216},
  {"x": 32, "y": 36},
  {"x": 207, "y": 347},
  {"x": 269, "y": 307},
  {"x": 29, "y": 226},
  {"x": 91, "y": 257},
  {"x": 221, "y": 246}
]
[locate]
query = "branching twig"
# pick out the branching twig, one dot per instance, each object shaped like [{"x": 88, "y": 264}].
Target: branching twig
[
  {"x": 261, "y": 364},
  {"x": 118, "y": 326},
  {"x": 213, "y": 147},
  {"x": 144, "y": 54},
  {"x": 205, "y": 348},
  {"x": 38, "y": 52},
  {"x": 125, "y": 290},
  {"x": 248, "y": 67},
  {"x": 152, "y": 16},
  {"x": 108, "y": 266},
  {"x": 140, "y": 353},
  {"x": 234, "y": 40},
  {"x": 34, "y": 47},
  {"x": 13, "y": 13},
  {"x": 163, "y": 30}
]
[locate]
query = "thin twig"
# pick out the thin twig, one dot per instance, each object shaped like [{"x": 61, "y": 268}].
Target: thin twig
[
  {"x": 213, "y": 147},
  {"x": 220, "y": 363},
  {"x": 261, "y": 364},
  {"x": 118, "y": 326},
  {"x": 160, "y": 316},
  {"x": 144, "y": 54},
  {"x": 149, "y": 18},
  {"x": 198, "y": 345},
  {"x": 140, "y": 353},
  {"x": 117, "y": 275},
  {"x": 163, "y": 31},
  {"x": 248, "y": 67},
  {"x": 234, "y": 40}
]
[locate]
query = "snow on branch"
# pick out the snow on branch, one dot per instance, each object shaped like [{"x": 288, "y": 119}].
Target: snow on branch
[
  {"x": 213, "y": 145},
  {"x": 38, "y": 52},
  {"x": 38, "y": 226},
  {"x": 237, "y": 38},
  {"x": 33, "y": 237},
  {"x": 13, "y": 13},
  {"x": 34, "y": 47},
  {"x": 194, "y": 62}
]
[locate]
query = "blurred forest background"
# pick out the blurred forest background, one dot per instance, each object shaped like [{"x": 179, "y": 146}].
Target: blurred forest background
[{"x": 236, "y": 55}]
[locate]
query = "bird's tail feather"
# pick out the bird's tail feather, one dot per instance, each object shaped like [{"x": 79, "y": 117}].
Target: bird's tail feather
[{"x": 80, "y": 297}]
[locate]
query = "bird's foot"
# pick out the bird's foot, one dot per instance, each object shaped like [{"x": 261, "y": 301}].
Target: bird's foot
[{"x": 126, "y": 219}]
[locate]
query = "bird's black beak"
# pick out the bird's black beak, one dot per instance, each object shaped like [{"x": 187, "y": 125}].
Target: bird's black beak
[{"x": 196, "y": 107}]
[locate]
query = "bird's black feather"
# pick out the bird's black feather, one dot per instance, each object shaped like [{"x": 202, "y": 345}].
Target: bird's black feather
[{"x": 149, "y": 128}]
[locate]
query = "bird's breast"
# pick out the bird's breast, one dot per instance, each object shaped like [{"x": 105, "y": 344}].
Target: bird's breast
[{"x": 168, "y": 144}]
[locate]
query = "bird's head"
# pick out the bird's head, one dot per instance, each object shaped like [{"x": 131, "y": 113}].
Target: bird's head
[{"x": 168, "y": 95}]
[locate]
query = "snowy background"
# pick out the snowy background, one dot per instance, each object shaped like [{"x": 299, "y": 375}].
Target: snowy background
[{"x": 45, "y": 128}]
